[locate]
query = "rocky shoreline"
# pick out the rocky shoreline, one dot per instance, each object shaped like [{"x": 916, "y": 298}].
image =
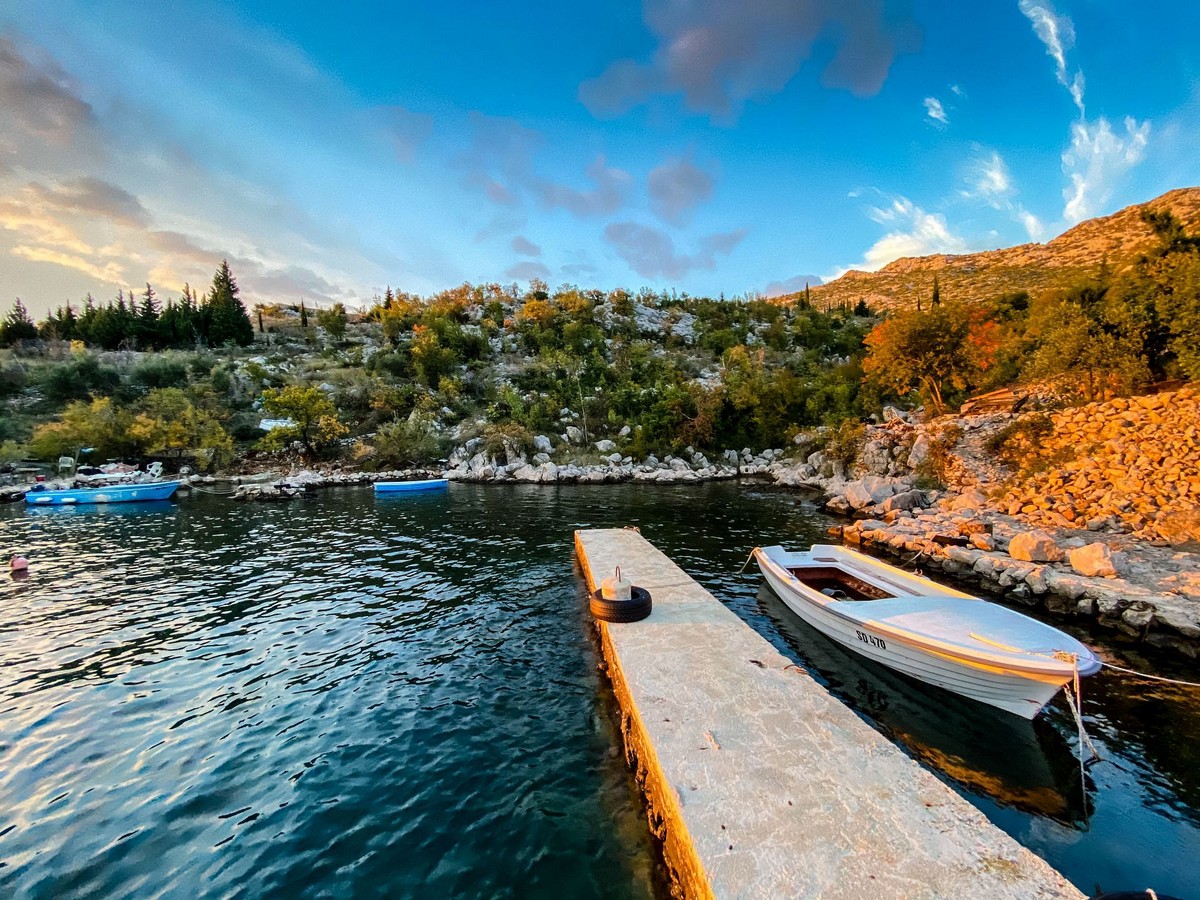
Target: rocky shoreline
[{"x": 1074, "y": 536}]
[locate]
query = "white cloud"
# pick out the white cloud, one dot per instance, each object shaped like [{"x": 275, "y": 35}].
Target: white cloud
[
  {"x": 1033, "y": 225},
  {"x": 989, "y": 181},
  {"x": 919, "y": 233},
  {"x": 1058, "y": 34},
  {"x": 1096, "y": 159},
  {"x": 935, "y": 111}
]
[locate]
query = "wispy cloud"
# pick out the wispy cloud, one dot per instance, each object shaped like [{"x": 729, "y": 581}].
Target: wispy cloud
[
  {"x": 104, "y": 188},
  {"x": 676, "y": 187},
  {"x": 1057, "y": 33},
  {"x": 651, "y": 252},
  {"x": 718, "y": 55},
  {"x": 1097, "y": 157},
  {"x": 1095, "y": 162},
  {"x": 935, "y": 111},
  {"x": 38, "y": 97},
  {"x": 989, "y": 181}
]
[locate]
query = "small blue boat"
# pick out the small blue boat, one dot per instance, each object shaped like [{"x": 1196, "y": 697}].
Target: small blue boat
[
  {"x": 398, "y": 487},
  {"x": 116, "y": 493}
]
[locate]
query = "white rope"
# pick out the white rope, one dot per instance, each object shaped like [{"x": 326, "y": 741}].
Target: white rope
[
  {"x": 747, "y": 562},
  {"x": 209, "y": 490},
  {"x": 1176, "y": 681}
]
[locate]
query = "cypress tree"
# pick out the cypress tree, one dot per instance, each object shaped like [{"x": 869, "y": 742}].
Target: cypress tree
[
  {"x": 303, "y": 315},
  {"x": 937, "y": 292}
]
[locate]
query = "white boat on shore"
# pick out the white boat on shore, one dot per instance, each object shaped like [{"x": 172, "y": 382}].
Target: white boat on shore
[{"x": 938, "y": 635}]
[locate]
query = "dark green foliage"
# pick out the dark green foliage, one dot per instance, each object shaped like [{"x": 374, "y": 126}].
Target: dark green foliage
[
  {"x": 159, "y": 372},
  {"x": 81, "y": 378},
  {"x": 222, "y": 312},
  {"x": 17, "y": 326}
]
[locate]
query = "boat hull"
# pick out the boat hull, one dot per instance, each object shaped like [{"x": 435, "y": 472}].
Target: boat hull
[
  {"x": 124, "y": 493},
  {"x": 1022, "y": 693},
  {"x": 406, "y": 487}
]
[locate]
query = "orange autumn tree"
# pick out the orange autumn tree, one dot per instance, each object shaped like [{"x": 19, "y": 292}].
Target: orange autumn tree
[{"x": 933, "y": 351}]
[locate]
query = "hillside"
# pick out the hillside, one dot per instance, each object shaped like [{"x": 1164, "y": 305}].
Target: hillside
[{"x": 1118, "y": 239}]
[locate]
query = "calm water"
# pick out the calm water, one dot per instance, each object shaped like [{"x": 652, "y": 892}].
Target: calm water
[{"x": 349, "y": 697}]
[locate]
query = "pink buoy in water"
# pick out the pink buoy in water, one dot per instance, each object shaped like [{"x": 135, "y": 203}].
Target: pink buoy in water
[{"x": 19, "y": 564}]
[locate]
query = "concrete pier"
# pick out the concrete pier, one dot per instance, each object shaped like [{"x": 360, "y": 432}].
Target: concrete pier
[{"x": 760, "y": 783}]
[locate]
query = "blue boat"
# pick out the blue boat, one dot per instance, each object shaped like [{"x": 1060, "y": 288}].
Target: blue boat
[
  {"x": 398, "y": 487},
  {"x": 116, "y": 493}
]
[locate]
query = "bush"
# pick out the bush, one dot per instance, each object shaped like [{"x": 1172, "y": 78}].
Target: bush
[
  {"x": 408, "y": 442},
  {"x": 81, "y": 378},
  {"x": 845, "y": 442},
  {"x": 157, "y": 372},
  {"x": 499, "y": 439}
]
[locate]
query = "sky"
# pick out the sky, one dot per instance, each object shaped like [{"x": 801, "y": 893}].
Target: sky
[{"x": 330, "y": 150}]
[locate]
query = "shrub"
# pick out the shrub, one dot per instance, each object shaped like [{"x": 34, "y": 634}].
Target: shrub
[
  {"x": 845, "y": 442},
  {"x": 160, "y": 371},
  {"x": 408, "y": 442}
]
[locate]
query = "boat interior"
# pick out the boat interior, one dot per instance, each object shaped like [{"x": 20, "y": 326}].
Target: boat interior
[{"x": 838, "y": 584}]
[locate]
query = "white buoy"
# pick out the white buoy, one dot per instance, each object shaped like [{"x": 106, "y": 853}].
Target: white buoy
[{"x": 616, "y": 588}]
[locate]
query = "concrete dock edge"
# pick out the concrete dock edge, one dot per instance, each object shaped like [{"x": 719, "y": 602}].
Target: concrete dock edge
[{"x": 760, "y": 783}]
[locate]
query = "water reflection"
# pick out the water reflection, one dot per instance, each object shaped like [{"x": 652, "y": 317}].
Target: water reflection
[{"x": 1027, "y": 765}]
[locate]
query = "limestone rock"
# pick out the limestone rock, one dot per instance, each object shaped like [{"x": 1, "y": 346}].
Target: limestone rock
[
  {"x": 1034, "y": 546},
  {"x": 606, "y": 446},
  {"x": 1097, "y": 559},
  {"x": 868, "y": 491},
  {"x": 542, "y": 444}
]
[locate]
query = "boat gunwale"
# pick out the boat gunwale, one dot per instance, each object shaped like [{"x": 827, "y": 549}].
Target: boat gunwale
[{"x": 1018, "y": 662}]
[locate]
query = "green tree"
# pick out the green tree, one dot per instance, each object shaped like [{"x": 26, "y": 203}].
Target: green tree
[
  {"x": 314, "y": 418},
  {"x": 224, "y": 314},
  {"x": 933, "y": 352},
  {"x": 100, "y": 424},
  {"x": 333, "y": 320},
  {"x": 169, "y": 423},
  {"x": 17, "y": 326}
]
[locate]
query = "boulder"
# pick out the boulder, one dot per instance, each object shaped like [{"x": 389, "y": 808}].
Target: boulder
[
  {"x": 606, "y": 446},
  {"x": 1034, "y": 546},
  {"x": 868, "y": 491},
  {"x": 1097, "y": 559},
  {"x": 574, "y": 435},
  {"x": 625, "y": 431},
  {"x": 542, "y": 444},
  {"x": 903, "y": 500},
  {"x": 919, "y": 454}
]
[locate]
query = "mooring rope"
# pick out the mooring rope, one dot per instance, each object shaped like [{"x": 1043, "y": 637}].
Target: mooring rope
[
  {"x": 747, "y": 562},
  {"x": 1176, "y": 681},
  {"x": 209, "y": 490}
]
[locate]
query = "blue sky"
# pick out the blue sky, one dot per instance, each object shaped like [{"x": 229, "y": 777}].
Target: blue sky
[{"x": 328, "y": 150}]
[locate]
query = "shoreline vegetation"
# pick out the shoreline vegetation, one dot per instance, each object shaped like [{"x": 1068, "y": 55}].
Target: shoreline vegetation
[{"x": 494, "y": 383}]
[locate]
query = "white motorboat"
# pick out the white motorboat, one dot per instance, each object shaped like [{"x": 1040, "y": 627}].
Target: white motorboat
[{"x": 933, "y": 633}]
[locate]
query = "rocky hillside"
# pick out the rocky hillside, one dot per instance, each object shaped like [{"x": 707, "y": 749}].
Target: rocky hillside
[{"x": 1118, "y": 239}]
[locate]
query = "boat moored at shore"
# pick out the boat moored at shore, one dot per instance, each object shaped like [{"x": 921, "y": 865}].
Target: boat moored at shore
[
  {"x": 120, "y": 493},
  {"x": 938, "y": 635},
  {"x": 402, "y": 487}
]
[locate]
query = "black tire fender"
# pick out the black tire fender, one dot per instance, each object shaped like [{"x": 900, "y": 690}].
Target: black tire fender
[{"x": 636, "y": 608}]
